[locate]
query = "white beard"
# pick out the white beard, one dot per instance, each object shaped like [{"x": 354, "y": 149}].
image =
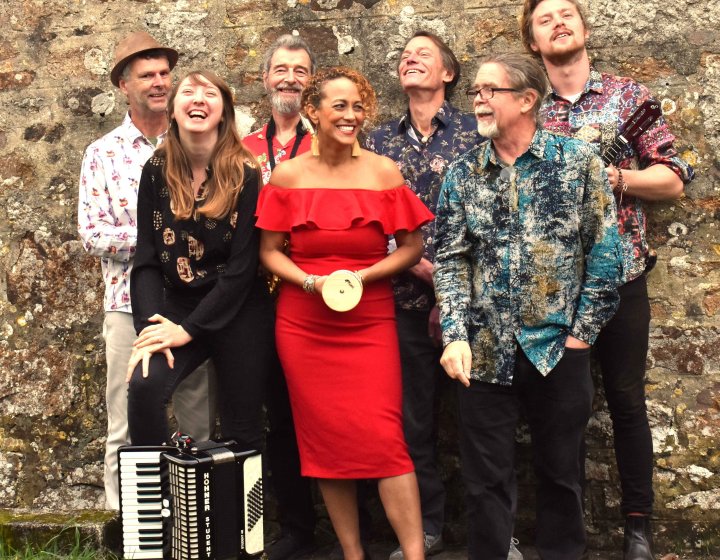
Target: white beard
[
  {"x": 284, "y": 106},
  {"x": 488, "y": 130}
]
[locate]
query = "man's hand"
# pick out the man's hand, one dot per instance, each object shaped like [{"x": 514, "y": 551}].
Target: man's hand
[
  {"x": 572, "y": 342},
  {"x": 164, "y": 334},
  {"x": 423, "y": 270},
  {"x": 434, "y": 330},
  {"x": 457, "y": 360},
  {"x": 613, "y": 176}
]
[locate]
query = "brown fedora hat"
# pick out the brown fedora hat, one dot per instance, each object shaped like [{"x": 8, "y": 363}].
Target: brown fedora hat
[{"x": 133, "y": 45}]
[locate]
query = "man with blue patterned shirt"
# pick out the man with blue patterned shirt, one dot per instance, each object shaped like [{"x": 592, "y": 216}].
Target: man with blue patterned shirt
[
  {"x": 423, "y": 142},
  {"x": 528, "y": 260}
]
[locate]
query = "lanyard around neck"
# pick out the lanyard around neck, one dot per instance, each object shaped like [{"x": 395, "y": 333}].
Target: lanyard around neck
[{"x": 270, "y": 134}]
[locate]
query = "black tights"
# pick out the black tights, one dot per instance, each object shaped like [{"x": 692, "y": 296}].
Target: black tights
[{"x": 242, "y": 353}]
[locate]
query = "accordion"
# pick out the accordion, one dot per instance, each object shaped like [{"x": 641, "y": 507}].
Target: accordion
[{"x": 204, "y": 502}]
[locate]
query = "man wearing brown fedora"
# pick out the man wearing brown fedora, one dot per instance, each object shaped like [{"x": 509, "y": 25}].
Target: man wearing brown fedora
[{"x": 107, "y": 206}]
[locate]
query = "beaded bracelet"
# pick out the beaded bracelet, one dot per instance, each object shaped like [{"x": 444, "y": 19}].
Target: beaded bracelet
[
  {"x": 621, "y": 186},
  {"x": 309, "y": 283}
]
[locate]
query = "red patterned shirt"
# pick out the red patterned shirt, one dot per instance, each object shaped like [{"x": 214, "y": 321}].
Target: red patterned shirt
[
  {"x": 605, "y": 103},
  {"x": 257, "y": 143}
]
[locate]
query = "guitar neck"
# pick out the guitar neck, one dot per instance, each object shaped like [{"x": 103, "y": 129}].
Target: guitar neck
[
  {"x": 613, "y": 152},
  {"x": 641, "y": 120}
]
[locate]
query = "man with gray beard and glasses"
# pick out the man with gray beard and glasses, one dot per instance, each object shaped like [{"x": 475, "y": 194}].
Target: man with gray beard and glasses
[
  {"x": 287, "y": 65},
  {"x": 527, "y": 264}
]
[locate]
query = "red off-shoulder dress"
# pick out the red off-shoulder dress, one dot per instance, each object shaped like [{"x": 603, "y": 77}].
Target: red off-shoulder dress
[{"x": 342, "y": 369}]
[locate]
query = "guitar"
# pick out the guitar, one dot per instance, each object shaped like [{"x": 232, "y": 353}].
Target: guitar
[{"x": 643, "y": 117}]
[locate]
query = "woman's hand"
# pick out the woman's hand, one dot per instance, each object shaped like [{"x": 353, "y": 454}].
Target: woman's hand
[
  {"x": 156, "y": 338},
  {"x": 143, "y": 355},
  {"x": 165, "y": 334},
  {"x": 319, "y": 283}
]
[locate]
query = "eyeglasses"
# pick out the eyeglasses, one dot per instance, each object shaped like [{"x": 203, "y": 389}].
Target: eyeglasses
[{"x": 486, "y": 93}]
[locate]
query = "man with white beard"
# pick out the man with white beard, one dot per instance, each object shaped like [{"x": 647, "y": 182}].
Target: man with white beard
[
  {"x": 527, "y": 264},
  {"x": 287, "y": 65}
]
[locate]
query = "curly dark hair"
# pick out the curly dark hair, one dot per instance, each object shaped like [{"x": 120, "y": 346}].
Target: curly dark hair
[{"x": 313, "y": 92}]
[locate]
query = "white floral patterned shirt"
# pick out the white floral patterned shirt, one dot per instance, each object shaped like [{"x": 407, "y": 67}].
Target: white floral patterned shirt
[{"x": 107, "y": 206}]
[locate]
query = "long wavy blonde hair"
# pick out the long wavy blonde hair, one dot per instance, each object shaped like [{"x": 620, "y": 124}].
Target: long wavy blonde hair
[{"x": 225, "y": 181}]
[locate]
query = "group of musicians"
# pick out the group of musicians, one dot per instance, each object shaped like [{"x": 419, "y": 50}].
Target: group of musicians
[{"x": 538, "y": 253}]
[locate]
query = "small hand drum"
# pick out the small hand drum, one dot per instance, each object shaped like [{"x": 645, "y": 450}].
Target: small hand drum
[{"x": 342, "y": 290}]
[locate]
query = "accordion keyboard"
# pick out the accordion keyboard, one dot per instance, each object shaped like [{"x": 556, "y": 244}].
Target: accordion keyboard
[{"x": 141, "y": 503}]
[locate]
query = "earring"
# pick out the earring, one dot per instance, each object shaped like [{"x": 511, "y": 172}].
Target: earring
[
  {"x": 356, "y": 148},
  {"x": 314, "y": 145}
]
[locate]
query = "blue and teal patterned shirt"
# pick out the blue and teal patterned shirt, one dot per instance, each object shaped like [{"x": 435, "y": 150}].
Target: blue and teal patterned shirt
[
  {"x": 423, "y": 162},
  {"x": 526, "y": 254}
]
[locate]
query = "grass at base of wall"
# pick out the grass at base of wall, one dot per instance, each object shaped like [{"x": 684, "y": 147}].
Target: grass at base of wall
[{"x": 80, "y": 550}]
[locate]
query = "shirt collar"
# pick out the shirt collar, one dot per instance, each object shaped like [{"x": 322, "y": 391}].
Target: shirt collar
[
  {"x": 441, "y": 118},
  {"x": 594, "y": 83},
  {"x": 488, "y": 156},
  {"x": 132, "y": 132}
]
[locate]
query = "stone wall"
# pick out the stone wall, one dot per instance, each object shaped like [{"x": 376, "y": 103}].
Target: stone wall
[{"x": 56, "y": 97}]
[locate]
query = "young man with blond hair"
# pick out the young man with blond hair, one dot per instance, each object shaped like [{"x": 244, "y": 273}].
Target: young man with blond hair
[{"x": 591, "y": 105}]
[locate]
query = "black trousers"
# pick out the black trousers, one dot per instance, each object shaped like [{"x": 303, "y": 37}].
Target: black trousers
[
  {"x": 421, "y": 374},
  {"x": 242, "y": 354},
  {"x": 622, "y": 348},
  {"x": 292, "y": 491},
  {"x": 557, "y": 408}
]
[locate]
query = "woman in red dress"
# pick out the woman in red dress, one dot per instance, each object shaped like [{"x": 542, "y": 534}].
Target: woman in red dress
[{"x": 336, "y": 206}]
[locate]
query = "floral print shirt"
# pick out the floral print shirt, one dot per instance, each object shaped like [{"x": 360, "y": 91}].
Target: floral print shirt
[
  {"x": 107, "y": 206},
  {"x": 423, "y": 162},
  {"x": 526, "y": 254},
  {"x": 605, "y": 104}
]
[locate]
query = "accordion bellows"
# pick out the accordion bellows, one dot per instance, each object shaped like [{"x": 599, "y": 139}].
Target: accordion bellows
[{"x": 201, "y": 503}]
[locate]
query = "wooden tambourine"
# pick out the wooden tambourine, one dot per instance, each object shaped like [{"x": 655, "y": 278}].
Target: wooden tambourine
[{"x": 342, "y": 290}]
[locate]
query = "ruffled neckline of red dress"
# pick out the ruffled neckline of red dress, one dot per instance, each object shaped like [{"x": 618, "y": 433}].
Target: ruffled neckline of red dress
[{"x": 398, "y": 208}]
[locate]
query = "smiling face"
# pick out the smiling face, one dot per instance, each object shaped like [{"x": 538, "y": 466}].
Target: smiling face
[
  {"x": 558, "y": 31},
  {"x": 147, "y": 85},
  {"x": 421, "y": 66},
  {"x": 340, "y": 113},
  {"x": 286, "y": 78},
  {"x": 499, "y": 114},
  {"x": 197, "y": 106}
]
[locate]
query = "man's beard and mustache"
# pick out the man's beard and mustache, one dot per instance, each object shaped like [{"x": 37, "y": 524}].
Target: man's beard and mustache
[
  {"x": 488, "y": 130},
  {"x": 567, "y": 56},
  {"x": 282, "y": 104}
]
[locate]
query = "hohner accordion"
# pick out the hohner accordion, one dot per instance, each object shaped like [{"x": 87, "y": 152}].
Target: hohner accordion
[{"x": 204, "y": 502}]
